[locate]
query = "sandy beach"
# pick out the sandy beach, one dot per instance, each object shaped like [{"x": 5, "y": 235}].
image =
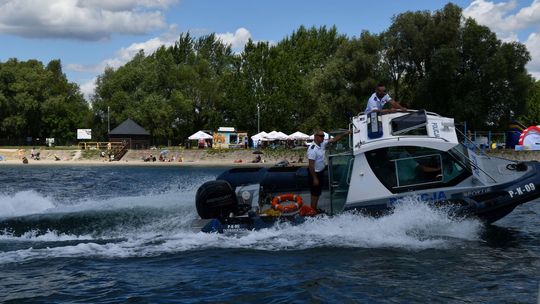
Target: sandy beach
[
  {"x": 178, "y": 157},
  {"x": 195, "y": 157}
]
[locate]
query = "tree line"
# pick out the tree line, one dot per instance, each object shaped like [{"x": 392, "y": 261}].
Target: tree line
[{"x": 314, "y": 78}]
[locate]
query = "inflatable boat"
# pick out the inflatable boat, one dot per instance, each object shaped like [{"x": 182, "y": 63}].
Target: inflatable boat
[{"x": 387, "y": 158}]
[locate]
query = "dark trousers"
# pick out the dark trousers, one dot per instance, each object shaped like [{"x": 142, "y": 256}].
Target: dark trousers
[{"x": 316, "y": 190}]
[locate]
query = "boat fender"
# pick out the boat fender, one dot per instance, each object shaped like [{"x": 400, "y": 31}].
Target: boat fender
[{"x": 289, "y": 197}]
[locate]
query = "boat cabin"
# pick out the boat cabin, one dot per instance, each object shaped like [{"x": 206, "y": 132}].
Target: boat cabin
[{"x": 394, "y": 153}]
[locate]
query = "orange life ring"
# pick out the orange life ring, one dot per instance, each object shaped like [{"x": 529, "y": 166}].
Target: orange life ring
[{"x": 289, "y": 197}]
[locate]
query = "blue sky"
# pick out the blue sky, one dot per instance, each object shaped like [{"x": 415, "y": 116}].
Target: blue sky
[{"x": 87, "y": 35}]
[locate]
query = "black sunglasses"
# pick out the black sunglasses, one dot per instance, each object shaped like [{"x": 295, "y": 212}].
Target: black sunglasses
[{"x": 320, "y": 135}]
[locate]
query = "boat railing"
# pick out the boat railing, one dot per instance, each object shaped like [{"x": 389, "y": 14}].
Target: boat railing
[
  {"x": 471, "y": 163},
  {"x": 470, "y": 144},
  {"x": 378, "y": 140},
  {"x": 404, "y": 111}
]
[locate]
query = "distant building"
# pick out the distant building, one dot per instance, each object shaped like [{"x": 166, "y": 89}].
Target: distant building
[
  {"x": 228, "y": 137},
  {"x": 129, "y": 131}
]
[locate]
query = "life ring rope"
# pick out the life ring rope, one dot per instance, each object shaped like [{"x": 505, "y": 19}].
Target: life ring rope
[{"x": 289, "y": 197}]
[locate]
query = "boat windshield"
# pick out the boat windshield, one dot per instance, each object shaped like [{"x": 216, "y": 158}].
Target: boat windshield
[
  {"x": 343, "y": 146},
  {"x": 407, "y": 168}
]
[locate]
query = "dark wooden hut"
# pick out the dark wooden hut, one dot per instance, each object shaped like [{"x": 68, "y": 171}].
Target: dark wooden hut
[{"x": 133, "y": 134}]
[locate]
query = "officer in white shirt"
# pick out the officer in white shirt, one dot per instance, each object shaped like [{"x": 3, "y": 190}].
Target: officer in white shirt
[
  {"x": 378, "y": 100},
  {"x": 316, "y": 156}
]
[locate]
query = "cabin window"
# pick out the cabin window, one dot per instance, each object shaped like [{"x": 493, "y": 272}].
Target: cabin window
[
  {"x": 409, "y": 168},
  {"x": 415, "y": 170},
  {"x": 411, "y": 124}
]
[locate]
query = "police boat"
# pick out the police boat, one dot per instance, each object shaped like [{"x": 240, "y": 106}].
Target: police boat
[{"x": 387, "y": 158}]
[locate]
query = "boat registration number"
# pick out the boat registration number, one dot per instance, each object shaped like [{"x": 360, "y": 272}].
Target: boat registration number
[{"x": 522, "y": 190}]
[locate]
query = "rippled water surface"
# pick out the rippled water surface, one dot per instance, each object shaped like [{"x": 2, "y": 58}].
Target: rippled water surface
[{"x": 122, "y": 234}]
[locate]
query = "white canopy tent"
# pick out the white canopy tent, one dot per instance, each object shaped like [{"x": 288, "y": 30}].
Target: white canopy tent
[
  {"x": 271, "y": 136},
  {"x": 298, "y": 136},
  {"x": 258, "y": 136},
  {"x": 200, "y": 135},
  {"x": 282, "y": 136},
  {"x": 275, "y": 135}
]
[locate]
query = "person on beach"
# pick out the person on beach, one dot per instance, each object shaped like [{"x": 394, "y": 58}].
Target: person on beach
[
  {"x": 380, "y": 100},
  {"x": 316, "y": 155}
]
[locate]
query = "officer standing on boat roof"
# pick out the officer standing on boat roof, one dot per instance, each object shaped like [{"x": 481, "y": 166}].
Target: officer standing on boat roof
[
  {"x": 316, "y": 157},
  {"x": 380, "y": 99}
]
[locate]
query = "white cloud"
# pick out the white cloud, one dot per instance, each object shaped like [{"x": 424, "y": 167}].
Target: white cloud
[
  {"x": 125, "y": 54},
  {"x": 501, "y": 17},
  {"x": 125, "y": 5},
  {"x": 87, "y": 88},
  {"x": 237, "y": 40},
  {"x": 533, "y": 45},
  {"x": 493, "y": 15},
  {"x": 507, "y": 23},
  {"x": 84, "y": 19},
  {"x": 528, "y": 16}
]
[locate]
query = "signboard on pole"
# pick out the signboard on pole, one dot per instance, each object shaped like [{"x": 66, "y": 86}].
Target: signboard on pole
[{"x": 84, "y": 133}]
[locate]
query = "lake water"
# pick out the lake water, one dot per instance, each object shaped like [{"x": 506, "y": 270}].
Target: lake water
[{"x": 122, "y": 234}]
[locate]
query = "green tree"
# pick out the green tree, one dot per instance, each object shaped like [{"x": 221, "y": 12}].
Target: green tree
[
  {"x": 171, "y": 92},
  {"x": 442, "y": 62},
  {"x": 342, "y": 88},
  {"x": 39, "y": 102},
  {"x": 531, "y": 115}
]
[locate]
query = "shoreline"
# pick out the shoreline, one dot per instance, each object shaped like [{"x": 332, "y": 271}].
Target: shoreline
[
  {"x": 176, "y": 158},
  {"x": 138, "y": 164},
  {"x": 192, "y": 158}
]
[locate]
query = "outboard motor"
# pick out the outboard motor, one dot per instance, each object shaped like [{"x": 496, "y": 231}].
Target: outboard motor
[{"x": 215, "y": 199}]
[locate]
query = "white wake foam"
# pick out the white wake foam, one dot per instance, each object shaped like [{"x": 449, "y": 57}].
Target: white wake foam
[
  {"x": 165, "y": 200},
  {"x": 49, "y": 236},
  {"x": 24, "y": 203},
  {"x": 413, "y": 226},
  {"x": 31, "y": 202}
]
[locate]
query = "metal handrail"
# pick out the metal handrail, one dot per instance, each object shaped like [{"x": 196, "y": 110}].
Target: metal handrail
[
  {"x": 402, "y": 111},
  {"x": 99, "y": 145}
]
